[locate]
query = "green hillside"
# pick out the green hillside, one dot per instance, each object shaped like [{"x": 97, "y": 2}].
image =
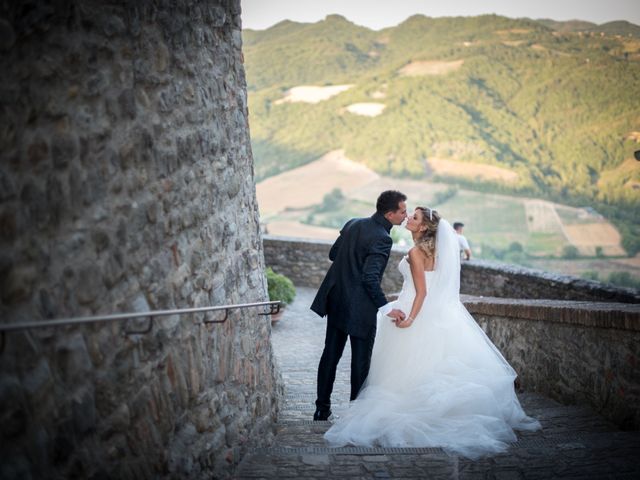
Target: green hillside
[
  {"x": 620, "y": 27},
  {"x": 568, "y": 26},
  {"x": 559, "y": 109}
]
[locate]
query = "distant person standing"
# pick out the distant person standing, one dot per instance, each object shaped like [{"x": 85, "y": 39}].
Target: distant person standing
[{"x": 465, "y": 251}]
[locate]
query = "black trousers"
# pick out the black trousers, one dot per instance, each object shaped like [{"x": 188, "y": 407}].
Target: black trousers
[{"x": 334, "y": 343}]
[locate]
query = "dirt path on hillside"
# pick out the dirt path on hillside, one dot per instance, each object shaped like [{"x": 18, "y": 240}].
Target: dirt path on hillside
[{"x": 305, "y": 186}]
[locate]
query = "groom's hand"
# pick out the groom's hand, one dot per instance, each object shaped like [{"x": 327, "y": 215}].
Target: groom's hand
[{"x": 396, "y": 315}]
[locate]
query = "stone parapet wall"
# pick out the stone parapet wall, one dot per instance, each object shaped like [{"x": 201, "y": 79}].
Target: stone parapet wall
[
  {"x": 306, "y": 262},
  {"x": 619, "y": 316},
  {"x": 126, "y": 184},
  {"x": 512, "y": 281},
  {"x": 575, "y": 352}
]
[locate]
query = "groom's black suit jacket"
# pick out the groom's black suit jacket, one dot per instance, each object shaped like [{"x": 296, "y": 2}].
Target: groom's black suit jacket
[{"x": 351, "y": 288}]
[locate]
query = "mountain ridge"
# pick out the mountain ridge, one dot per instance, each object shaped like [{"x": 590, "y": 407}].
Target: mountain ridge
[
  {"x": 557, "y": 108},
  {"x": 621, "y": 27}
]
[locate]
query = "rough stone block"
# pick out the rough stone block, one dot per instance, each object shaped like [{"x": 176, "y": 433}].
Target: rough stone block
[
  {"x": 14, "y": 416},
  {"x": 89, "y": 284},
  {"x": 64, "y": 149},
  {"x": 37, "y": 382},
  {"x": 116, "y": 164},
  {"x": 72, "y": 359},
  {"x": 84, "y": 412},
  {"x": 18, "y": 284}
]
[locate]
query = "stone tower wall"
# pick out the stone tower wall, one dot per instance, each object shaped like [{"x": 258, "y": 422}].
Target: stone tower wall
[{"x": 126, "y": 184}]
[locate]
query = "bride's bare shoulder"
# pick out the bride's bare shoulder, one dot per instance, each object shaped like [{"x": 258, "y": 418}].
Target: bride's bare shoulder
[
  {"x": 417, "y": 255},
  {"x": 419, "y": 258}
]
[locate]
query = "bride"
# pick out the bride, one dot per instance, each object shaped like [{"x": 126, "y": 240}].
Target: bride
[{"x": 436, "y": 380}]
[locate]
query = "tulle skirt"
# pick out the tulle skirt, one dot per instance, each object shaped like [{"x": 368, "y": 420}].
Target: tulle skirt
[{"x": 439, "y": 383}]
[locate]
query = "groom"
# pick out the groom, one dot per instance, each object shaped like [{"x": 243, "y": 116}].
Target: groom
[{"x": 350, "y": 295}]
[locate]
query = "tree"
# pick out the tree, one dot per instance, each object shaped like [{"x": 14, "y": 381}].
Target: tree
[
  {"x": 332, "y": 200},
  {"x": 624, "y": 279},
  {"x": 570, "y": 252},
  {"x": 515, "y": 247}
]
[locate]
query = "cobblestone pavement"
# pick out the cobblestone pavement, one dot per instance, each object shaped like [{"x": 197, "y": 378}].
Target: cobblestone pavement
[{"x": 574, "y": 443}]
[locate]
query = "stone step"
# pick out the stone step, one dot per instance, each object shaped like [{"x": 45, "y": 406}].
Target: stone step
[
  {"x": 565, "y": 442},
  {"x": 589, "y": 455},
  {"x": 311, "y": 434},
  {"x": 560, "y": 424}
]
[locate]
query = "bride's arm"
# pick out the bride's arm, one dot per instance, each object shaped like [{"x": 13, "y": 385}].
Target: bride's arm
[{"x": 416, "y": 263}]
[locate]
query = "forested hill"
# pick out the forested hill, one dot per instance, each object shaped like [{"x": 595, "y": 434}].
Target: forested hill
[
  {"x": 556, "y": 103},
  {"x": 620, "y": 27}
]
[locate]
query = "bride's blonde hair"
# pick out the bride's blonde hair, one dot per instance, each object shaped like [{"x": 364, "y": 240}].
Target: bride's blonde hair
[{"x": 427, "y": 242}]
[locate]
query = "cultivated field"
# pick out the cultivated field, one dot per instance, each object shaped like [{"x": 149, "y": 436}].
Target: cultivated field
[
  {"x": 305, "y": 186},
  {"x": 422, "y": 68},
  {"x": 542, "y": 217},
  {"x": 311, "y": 93},
  {"x": 370, "y": 109},
  {"x": 289, "y": 206}
]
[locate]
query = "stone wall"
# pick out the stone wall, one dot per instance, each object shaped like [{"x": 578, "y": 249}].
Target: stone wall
[
  {"x": 575, "y": 352},
  {"x": 512, "y": 281},
  {"x": 581, "y": 351},
  {"x": 306, "y": 262},
  {"x": 126, "y": 184}
]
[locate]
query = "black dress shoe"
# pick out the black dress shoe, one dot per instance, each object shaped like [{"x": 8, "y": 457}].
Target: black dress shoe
[{"x": 321, "y": 415}]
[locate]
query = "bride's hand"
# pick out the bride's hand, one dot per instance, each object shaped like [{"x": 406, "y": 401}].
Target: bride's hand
[
  {"x": 407, "y": 322},
  {"x": 396, "y": 315}
]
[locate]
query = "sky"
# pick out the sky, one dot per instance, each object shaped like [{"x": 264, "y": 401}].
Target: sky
[{"x": 261, "y": 14}]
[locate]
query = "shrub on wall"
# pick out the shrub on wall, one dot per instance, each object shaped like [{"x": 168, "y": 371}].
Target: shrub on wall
[{"x": 280, "y": 287}]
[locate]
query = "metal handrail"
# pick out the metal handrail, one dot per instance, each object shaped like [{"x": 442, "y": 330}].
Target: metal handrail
[
  {"x": 8, "y": 327},
  {"x": 274, "y": 307}
]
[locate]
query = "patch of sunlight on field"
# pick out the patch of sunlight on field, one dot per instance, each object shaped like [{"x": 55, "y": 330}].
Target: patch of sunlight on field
[
  {"x": 366, "y": 109},
  {"x": 311, "y": 93},
  {"x": 433, "y": 67}
]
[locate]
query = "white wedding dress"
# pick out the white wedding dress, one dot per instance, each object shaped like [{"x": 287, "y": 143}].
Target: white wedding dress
[{"x": 438, "y": 383}]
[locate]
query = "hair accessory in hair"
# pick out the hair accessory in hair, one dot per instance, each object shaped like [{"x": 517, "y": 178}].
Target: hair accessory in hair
[{"x": 431, "y": 214}]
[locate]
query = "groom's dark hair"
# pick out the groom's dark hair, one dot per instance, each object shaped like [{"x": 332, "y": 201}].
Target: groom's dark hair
[{"x": 388, "y": 201}]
